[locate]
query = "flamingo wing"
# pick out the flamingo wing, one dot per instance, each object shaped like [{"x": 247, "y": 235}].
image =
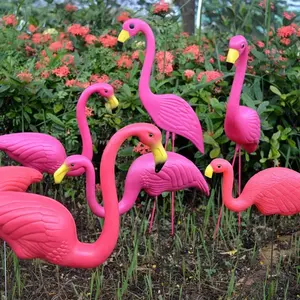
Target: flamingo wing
[
  {"x": 176, "y": 115},
  {"x": 18, "y": 179},
  {"x": 250, "y": 122},
  {"x": 35, "y": 150},
  {"x": 178, "y": 173},
  {"x": 36, "y": 226}
]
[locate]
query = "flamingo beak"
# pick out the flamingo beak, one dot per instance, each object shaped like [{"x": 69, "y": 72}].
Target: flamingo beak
[
  {"x": 160, "y": 156},
  {"x": 209, "y": 171},
  {"x": 232, "y": 57},
  {"x": 123, "y": 36},
  {"x": 113, "y": 102},
  {"x": 60, "y": 173}
]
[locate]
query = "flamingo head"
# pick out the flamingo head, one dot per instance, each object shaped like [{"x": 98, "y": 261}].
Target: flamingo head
[
  {"x": 237, "y": 46},
  {"x": 73, "y": 164},
  {"x": 130, "y": 28},
  {"x": 106, "y": 91},
  {"x": 218, "y": 165},
  {"x": 150, "y": 136}
]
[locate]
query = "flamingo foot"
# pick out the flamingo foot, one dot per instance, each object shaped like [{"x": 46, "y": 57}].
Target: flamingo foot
[{"x": 152, "y": 215}]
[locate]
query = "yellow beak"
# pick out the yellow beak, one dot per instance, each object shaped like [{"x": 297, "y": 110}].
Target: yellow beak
[
  {"x": 209, "y": 171},
  {"x": 60, "y": 173},
  {"x": 113, "y": 102},
  {"x": 123, "y": 36},
  {"x": 160, "y": 156},
  {"x": 232, "y": 56}
]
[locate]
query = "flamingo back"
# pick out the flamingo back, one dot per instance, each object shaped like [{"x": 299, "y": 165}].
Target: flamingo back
[
  {"x": 36, "y": 150},
  {"x": 17, "y": 178},
  {"x": 274, "y": 191},
  {"x": 36, "y": 226},
  {"x": 178, "y": 173},
  {"x": 174, "y": 114}
]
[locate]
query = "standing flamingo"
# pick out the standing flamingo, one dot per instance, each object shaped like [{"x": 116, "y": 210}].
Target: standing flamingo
[
  {"x": 169, "y": 112},
  {"x": 36, "y": 226},
  {"x": 178, "y": 173},
  {"x": 44, "y": 152},
  {"x": 18, "y": 179},
  {"x": 272, "y": 191},
  {"x": 242, "y": 124}
]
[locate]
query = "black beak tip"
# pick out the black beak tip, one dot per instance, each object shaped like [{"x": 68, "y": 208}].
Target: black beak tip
[
  {"x": 158, "y": 167},
  {"x": 229, "y": 66},
  {"x": 119, "y": 45}
]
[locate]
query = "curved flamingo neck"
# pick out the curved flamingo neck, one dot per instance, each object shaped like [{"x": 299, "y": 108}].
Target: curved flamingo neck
[
  {"x": 87, "y": 143},
  {"x": 237, "y": 85},
  {"x": 234, "y": 204},
  {"x": 144, "y": 83}
]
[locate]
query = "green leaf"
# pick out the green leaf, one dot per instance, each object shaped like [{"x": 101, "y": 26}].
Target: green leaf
[
  {"x": 126, "y": 90},
  {"x": 258, "y": 55},
  {"x": 58, "y": 107},
  {"x": 55, "y": 119},
  {"x": 248, "y": 100},
  {"x": 210, "y": 140},
  {"x": 124, "y": 167},
  {"x": 275, "y": 90},
  {"x": 214, "y": 153},
  {"x": 126, "y": 152}
]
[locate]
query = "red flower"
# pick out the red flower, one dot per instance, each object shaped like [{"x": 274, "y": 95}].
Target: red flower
[
  {"x": 285, "y": 31},
  {"x": 98, "y": 187},
  {"x": 69, "y": 45},
  {"x": 89, "y": 112},
  {"x": 123, "y": 16},
  {"x": 222, "y": 58},
  {"x": 141, "y": 148},
  {"x": 23, "y": 36},
  {"x": 10, "y": 20},
  {"x": 211, "y": 60},
  {"x": 70, "y": 8},
  {"x": 124, "y": 61},
  {"x": 117, "y": 84},
  {"x": 189, "y": 74},
  {"x": 165, "y": 62},
  {"x": 54, "y": 47},
  {"x": 195, "y": 51},
  {"x": 99, "y": 79},
  {"x": 45, "y": 74},
  {"x": 185, "y": 34},
  {"x": 39, "y": 38},
  {"x": 108, "y": 41},
  {"x": 210, "y": 75},
  {"x": 68, "y": 59},
  {"x": 77, "y": 29},
  {"x": 263, "y": 4},
  {"x": 161, "y": 7},
  {"x": 260, "y": 44},
  {"x": 71, "y": 82},
  {"x": 25, "y": 76},
  {"x": 29, "y": 51},
  {"x": 289, "y": 16},
  {"x": 83, "y": 85},
  {"x": 285, "y": 41},
  {"x": 90, "y": 39},
  {"x": 61, "y": 71},
  {"x": 32, "y": 28}
]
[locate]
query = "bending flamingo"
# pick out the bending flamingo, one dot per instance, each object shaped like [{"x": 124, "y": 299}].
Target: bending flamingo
[
  {"x": 178, "y": 173},
  {"x": 242, "y": 124},
  {"x": 169, "y": 112},
  {"x": 36, "y": 226},
  {"x": 272, "y": 191},
  {"x": 18, "y": 179},
  {"x": 44, "y": 152}
]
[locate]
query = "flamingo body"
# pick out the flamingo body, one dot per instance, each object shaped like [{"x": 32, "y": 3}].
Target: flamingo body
[
  {"x": 36, "y": 150},
  {"x": 17, "y": 178}
]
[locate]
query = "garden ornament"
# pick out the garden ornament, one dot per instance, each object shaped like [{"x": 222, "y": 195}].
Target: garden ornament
[
  {"x": 44, "y": 152},
  {"x": 169, "y": 112},
  {"x": 242, "y": 124},
  {"x": 36, "y": 226},
  {"x": 272, "y": 191},
  {"x": 178, "y": 173}
]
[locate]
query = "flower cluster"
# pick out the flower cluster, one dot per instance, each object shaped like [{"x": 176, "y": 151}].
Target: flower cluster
[
  {"x": 165, "y": 62},
  {"x": 77, "y": 29},
  {"x": 89, "y": 112},
  {"x": 10, "y": 20},
  {"x": 108, "y": 41},
  {"x": 70, "y": 8},
  {"x": 25, "y": 76},
  {"x": 210, "y": 76},
  {"x": 123, "y": 16},
  {"x": 161, "y": 7},
  {"x": 141, "y": 148},
  {"x": 194, "y": 51}
]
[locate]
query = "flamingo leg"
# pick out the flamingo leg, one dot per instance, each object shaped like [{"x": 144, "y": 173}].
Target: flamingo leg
[
  {"x": 5, "y": 270},
  {"x": 173, "y": 193},
  {"x": 152, "y": 215},
  {"x": 240, "y": 183},
  {"x": 167, "y": 139},
  {"x": 237, "y": 149}
]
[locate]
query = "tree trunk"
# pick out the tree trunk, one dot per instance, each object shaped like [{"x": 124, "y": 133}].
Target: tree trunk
[{"x": 187, "y": 14}]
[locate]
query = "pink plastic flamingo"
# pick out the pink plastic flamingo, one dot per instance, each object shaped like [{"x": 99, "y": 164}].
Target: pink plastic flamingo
[
  {"x": 36, "y": 226},
  {"x": 242, "y": 124},
  {"x": 178, "y": 173},
  {"x": 169, "y": 112},
  {"x": 17, "y": 178},
  {"x": 44, "y": 152},
  {"x": 272, "y": 191}
]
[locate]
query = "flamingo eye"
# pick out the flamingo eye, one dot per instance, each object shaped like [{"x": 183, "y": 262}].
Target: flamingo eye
[
  {"x": 105, "y": 91},
  {"x": 219, "y": 166},
  {"x": 131, "y": 26},
  {"x": 72, "y": 165},
  {"x": 150, "y": 134},
  {"x": 243, "y": 46}
]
